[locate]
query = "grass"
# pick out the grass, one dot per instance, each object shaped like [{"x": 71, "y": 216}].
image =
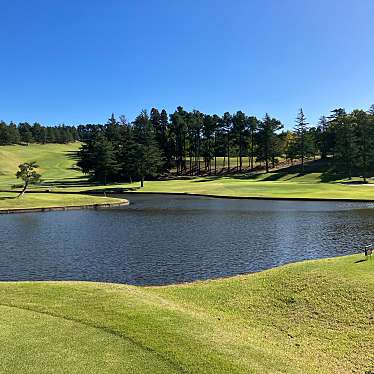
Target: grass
[
  {"x": 56, "y": 161},
  {"x": 309, "y": 317},
  {"x": 48, "y": 200},
  {"x": 57, "y": 165},
  {"x": 243, "y": 187}
]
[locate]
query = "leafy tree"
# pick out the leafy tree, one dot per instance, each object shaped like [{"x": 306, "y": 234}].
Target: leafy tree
[
  {"x": 28, "y": 174},
  {"x": 290, "y": 148}
]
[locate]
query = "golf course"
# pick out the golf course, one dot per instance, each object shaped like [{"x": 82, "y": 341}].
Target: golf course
[
  {"x": 308, "y": 317},
  {"x": 63, "y": 184},
  {"x": 187, "y": 187}
]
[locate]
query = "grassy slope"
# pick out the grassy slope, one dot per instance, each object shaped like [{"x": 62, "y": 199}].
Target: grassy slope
[
  {"x": 311, "y": 317},
  {"x": 56, "y": 163},
  {"x": 55, "y": 160}
]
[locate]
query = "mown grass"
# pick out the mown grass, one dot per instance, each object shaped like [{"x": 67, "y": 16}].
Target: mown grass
[
  {"x": 242, "y": 187},
  {"x": 9, "y": 200},
  {"x": 56, "y": 161},
  {"x": 310, "y": 317},
  {"x": 57, "y": 165}
]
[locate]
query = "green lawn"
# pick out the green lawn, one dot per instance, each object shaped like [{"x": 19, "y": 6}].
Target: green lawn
[
  {"x": 48, "y": 200},
  {"x": 236, "y": 187},
  {"x": 57, "y": 165},
  {"x": 310, "y": 317},
  {"x": 56, "y": 161}
]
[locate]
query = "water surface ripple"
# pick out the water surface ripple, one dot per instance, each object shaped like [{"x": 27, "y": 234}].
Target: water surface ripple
[{"x": 161, "y": 239}]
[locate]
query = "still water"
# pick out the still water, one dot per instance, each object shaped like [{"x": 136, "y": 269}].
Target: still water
[{"x": 162, "y": 239}]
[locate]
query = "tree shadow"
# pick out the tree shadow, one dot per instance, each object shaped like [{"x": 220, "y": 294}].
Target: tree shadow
[
  {"x": 362, "y": 260},
  {"x": 8, "y": 197},
  {"x": 73, "y": 155},
  {"x": 81, "y": 181}
]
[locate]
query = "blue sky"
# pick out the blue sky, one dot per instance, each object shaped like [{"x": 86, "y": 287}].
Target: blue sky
[{"x": 72, "y": 62}]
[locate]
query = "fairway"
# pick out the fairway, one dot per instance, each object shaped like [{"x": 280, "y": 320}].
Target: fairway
[
  {"x": 310, "y": 317},
  {"x": 57, "y": 165},
  {"x": 56, "y": 161}
]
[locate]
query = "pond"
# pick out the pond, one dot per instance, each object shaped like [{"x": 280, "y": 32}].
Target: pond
[{"x": 162, "y": 239}]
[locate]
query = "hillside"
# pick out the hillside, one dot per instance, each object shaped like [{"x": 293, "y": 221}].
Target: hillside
[{"x": 56, "y": 161}]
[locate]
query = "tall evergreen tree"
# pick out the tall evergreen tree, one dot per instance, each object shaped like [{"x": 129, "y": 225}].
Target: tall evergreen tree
[
  {"x": 267, "y": 140},
  {"x": 252, "y": 124},
  {"x": 98, "y": 158},
  {"x": 144, "y": 154},
  {"x": 301, "y": 131},
  {"x": 227, "y": 127},
  {"x": 345, "y": 145},
  {"x": 364, "y": 126},
  {"x": 239, "y": 129}
]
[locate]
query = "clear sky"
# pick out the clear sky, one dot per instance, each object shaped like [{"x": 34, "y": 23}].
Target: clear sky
[{"x": 64, "y": 61}]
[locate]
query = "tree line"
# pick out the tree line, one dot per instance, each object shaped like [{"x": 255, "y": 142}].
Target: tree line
[
  {"x": 190, "y": 142},
  {"x": 25, "y": 133}
]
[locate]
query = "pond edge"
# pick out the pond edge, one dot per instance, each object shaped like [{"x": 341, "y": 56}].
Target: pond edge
[
  {"x": 65, "y": 208},
  {"x": 245, "y": 197}
]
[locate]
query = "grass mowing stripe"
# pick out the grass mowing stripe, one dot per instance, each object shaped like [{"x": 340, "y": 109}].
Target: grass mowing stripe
[{"x": 107, "y": 330}]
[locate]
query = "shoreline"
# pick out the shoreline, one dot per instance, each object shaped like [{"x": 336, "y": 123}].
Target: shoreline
[
  {"x": 193, "y": 282},
  {"x": 126, "y": 202},
  {"x": 64, "y": 208},
  {"x": 306, "y": 199}
]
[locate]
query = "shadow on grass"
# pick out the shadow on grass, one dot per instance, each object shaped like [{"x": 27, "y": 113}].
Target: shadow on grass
[
  {"x": 73, "y": 155},
  {"x": 362, "y": 260},
  {"x": 8, "y": 198},
  {"x": 81, "y": 181}
]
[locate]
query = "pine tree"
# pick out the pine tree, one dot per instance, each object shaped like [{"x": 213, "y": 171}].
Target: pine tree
[
  {"x": 252, "y": 124},
  {"x": 301, "y": 130},
  {"x": 144, "y": 154},
  {"x": 364, "y": 125},
  {"x": 267, "y": 140},
  {"x": 345, "y": 145},
  {"x": 98, "y": 158}
]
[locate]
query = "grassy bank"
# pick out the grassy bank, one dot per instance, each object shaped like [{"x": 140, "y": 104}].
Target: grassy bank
[
  {"x": 311, "y": 317},
  {"x": 49, "y": 200}
]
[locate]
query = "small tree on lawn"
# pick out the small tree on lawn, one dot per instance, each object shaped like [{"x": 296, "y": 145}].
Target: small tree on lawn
[{"x": 28, "y": 174}]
